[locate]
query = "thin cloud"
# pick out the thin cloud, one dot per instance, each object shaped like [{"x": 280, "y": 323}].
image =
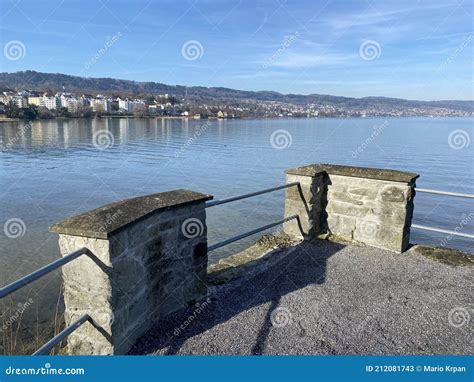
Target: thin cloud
[
  {"x": 309, "y": 60},
  {"x": 374, "y": 17}
]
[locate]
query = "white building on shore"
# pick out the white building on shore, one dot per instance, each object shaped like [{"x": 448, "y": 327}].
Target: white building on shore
[
  {"x": 128, "y": 106},
  {"x": 125, "y": 106},
  {"x": 51, "y": 102},
  {"x": 101, "y": 104}
]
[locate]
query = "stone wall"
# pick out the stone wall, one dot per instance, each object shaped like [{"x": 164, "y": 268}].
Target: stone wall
[
  {"x": 148, "y": 259},
  {"x": 370, "y": 206}
]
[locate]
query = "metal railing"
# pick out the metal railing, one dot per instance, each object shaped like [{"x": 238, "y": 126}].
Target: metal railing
[
  {"x": 250, "y": 233},
  {"x": 56, "y": 340},
  {"x": 25, "y": 280},
  {"x": 440, "y": 230},
  {"x": 213, "y": 203},
  {"x": 448, "y": 193},
  {"x": 256, "y": 230}
]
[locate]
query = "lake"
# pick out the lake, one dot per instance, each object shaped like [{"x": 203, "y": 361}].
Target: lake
[{"x": 57, "y": 168}]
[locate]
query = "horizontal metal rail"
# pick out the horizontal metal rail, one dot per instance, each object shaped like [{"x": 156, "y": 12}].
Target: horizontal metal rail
[
  {"x": 250, "y": 233},
  {"x": 46, "y": 348},
  {"x": 448, "y": 193},
  {"x": 213, "y": 203},
  {"x": 439, "y": 230},
  {"x": 25, "y": 280}
]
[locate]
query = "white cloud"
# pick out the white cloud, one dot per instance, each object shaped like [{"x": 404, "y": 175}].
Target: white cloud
[
  {"x": 308, "y": 60},
  {"x": 372, "y": 16}
]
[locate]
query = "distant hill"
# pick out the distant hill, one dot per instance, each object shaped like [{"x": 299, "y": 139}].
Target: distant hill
[{"x": 33, "y": 80}]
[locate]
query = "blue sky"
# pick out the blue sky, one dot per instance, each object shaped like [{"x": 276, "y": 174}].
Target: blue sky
[{"x": 408, "y": 49}]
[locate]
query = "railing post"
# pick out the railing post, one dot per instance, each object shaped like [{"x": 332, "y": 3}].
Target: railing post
[
  {"x": 148, "y": 259},
  {"x": 355, "y": 204}
]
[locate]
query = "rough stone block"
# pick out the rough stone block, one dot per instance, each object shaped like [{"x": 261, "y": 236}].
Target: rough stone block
[
  {"x": 343, "y": 208},
  {"x": 394, "y": 194},
  {"x": 344, "y": 226}
]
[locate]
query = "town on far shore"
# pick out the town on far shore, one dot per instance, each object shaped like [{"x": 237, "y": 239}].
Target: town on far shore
[{"x": 30, "y": 105}]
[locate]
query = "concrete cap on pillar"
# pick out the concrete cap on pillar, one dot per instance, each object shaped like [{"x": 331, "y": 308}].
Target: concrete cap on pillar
[
  {"x": 102, "y": 222},
  {"x": 357, "y": 172}
]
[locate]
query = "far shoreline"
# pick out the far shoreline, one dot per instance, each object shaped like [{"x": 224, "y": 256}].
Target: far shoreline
[{"x": 12, "y": 120}]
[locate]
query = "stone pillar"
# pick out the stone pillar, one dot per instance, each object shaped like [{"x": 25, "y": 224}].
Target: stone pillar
[
  {"x": 355, "y": 204},
  {"x": 148, "y": 259}
]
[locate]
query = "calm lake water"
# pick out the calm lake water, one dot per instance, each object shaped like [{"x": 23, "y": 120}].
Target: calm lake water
[{"x": 55, "y": 169}]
